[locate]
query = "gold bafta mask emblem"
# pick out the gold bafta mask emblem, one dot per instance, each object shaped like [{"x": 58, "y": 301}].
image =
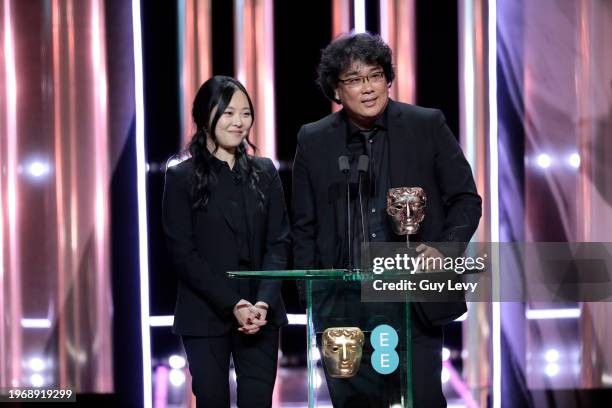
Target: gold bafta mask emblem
[
  {"x": 342, "y": 349},
  {"x": 406, "y": 206}
]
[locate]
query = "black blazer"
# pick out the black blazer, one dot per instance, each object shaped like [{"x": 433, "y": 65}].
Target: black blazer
[
  {"x": 423, "y": 153},
  {"x": 202, "y": 249}
]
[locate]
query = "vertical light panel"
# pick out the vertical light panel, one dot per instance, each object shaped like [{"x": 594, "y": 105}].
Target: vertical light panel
[
  {"x": 143, "y": 247},
  {"x": 360, "y": 16},
  {"x": 341, "y": 24},
  {"x": 585, "y": 130},
  {"x": 54, "y": 148},
  {"x": 397, "y": 28},
  {"x": 13, "y": 276},
  {"x": 3, "y": 354},
  {"x": 478, "y": 111},
  {"x": 492, "y": 97},
  {"x": 467, "y": 88},
  {"x": 341, "y": 17},
  {"x": 195, "y": 56},
  {"x": 494, "y": 199},
  {"x": 593, "y": 65},
  {"x": 69, "y": 135},
  {"x": 242, "y": 19},
  {"x": 254, "y": 67},
  {"x": 475, "y": 138},
  {"x": 103, "y": 364},
  {"x": 60, "y": 187},
  {"x": 78, "y": 74}
]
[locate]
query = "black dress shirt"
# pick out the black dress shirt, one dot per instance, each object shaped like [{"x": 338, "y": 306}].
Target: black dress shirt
[
  {"x": 231, "y": 183},
  {"x": 374, "y": 185}
]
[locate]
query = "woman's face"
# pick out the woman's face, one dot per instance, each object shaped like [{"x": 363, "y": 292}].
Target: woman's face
[{"x": 234, "y": 124}]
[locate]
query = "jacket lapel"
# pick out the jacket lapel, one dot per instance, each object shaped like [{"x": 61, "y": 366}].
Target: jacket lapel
[
  {"x": 220, "y": 201},
  {"x": 400, "y": 155},
  {"x": 404, "y": 151},
  {"x": 217, "y": 199},
  {"x": 252, "y": 211}
]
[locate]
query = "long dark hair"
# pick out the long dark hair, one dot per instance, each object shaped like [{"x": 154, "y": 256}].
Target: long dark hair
[{"x": 217, "y": 92}]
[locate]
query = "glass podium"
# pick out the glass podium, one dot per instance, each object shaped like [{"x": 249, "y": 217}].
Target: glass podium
[{"x": 375, "y": 372}]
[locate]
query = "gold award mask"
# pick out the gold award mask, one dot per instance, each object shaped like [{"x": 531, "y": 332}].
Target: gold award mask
[{"x": 342, "y": 349}]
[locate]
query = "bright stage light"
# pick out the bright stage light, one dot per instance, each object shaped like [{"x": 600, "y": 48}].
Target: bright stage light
[
  {"x": 316, "y": 354},
  {"x": 36, "y": 364},
  {"x": 28, "y": 323},
  {"x": 177, "y": 377},
  {"x": 318, "y": 380},
  {"x": 176, "y": 361},
  {"x": 541, "y": 314},
  {"x": 445, "y": 375},
  {"x": 37, "y": 380},
  {"x": 544, "y": 160},
  {"x": 574, "y": 160},
  {"x": 38, "y": 169},
  {"x": 551, "y": 356},
  {"x": 552, "y": 369}
]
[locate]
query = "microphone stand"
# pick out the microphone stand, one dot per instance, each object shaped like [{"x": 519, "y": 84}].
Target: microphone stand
[
  {"x": 349, "y": 221},
  {"x": 362, "y": 167},
  {"x": 345, "y": 168}
]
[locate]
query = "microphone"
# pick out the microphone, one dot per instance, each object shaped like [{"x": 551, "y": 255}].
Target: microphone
[
  {"x": 363, "y": 163},
  {"x": 362, "y": 167},
  {"x": 343, "y": 164},
  {"x": 345, "y": 168}
]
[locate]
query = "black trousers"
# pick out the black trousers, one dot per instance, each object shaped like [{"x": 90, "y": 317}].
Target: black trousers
[{"x": 255, "y": 358}]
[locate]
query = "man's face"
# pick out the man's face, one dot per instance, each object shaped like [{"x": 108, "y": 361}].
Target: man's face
[{"x": 363, "y": 92}]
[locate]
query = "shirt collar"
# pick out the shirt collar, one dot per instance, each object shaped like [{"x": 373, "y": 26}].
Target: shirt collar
[
  {"x": 353, "y": 131},
  {"x": 215, "y": 163}
]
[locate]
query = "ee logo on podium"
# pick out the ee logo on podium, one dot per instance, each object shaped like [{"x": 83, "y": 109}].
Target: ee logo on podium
[{"x": 384, "y": 341}]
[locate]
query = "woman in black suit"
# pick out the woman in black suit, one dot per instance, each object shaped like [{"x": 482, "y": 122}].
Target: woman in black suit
[{"x": 224, "y": 210}]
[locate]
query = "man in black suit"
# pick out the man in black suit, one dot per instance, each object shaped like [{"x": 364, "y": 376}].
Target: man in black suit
[{"x": 407, "y": 146}]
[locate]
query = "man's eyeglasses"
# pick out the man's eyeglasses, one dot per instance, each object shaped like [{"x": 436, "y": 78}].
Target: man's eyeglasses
[{"x": 357, "y": 81}]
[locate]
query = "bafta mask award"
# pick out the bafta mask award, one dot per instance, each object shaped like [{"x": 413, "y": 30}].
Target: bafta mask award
[
  {"x": 342, "y": 349},
  {"x": 406, "y": 206}
]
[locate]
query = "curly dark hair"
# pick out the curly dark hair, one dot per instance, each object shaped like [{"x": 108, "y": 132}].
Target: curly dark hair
[
  {"x": 343, "y": 51},
  {"x": 217, "y": 92}
]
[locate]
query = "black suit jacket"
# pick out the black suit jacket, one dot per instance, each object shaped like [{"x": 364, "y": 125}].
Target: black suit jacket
[
  {"x": 423, "y": 153},
  {"x": 203, "y": 248}
]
